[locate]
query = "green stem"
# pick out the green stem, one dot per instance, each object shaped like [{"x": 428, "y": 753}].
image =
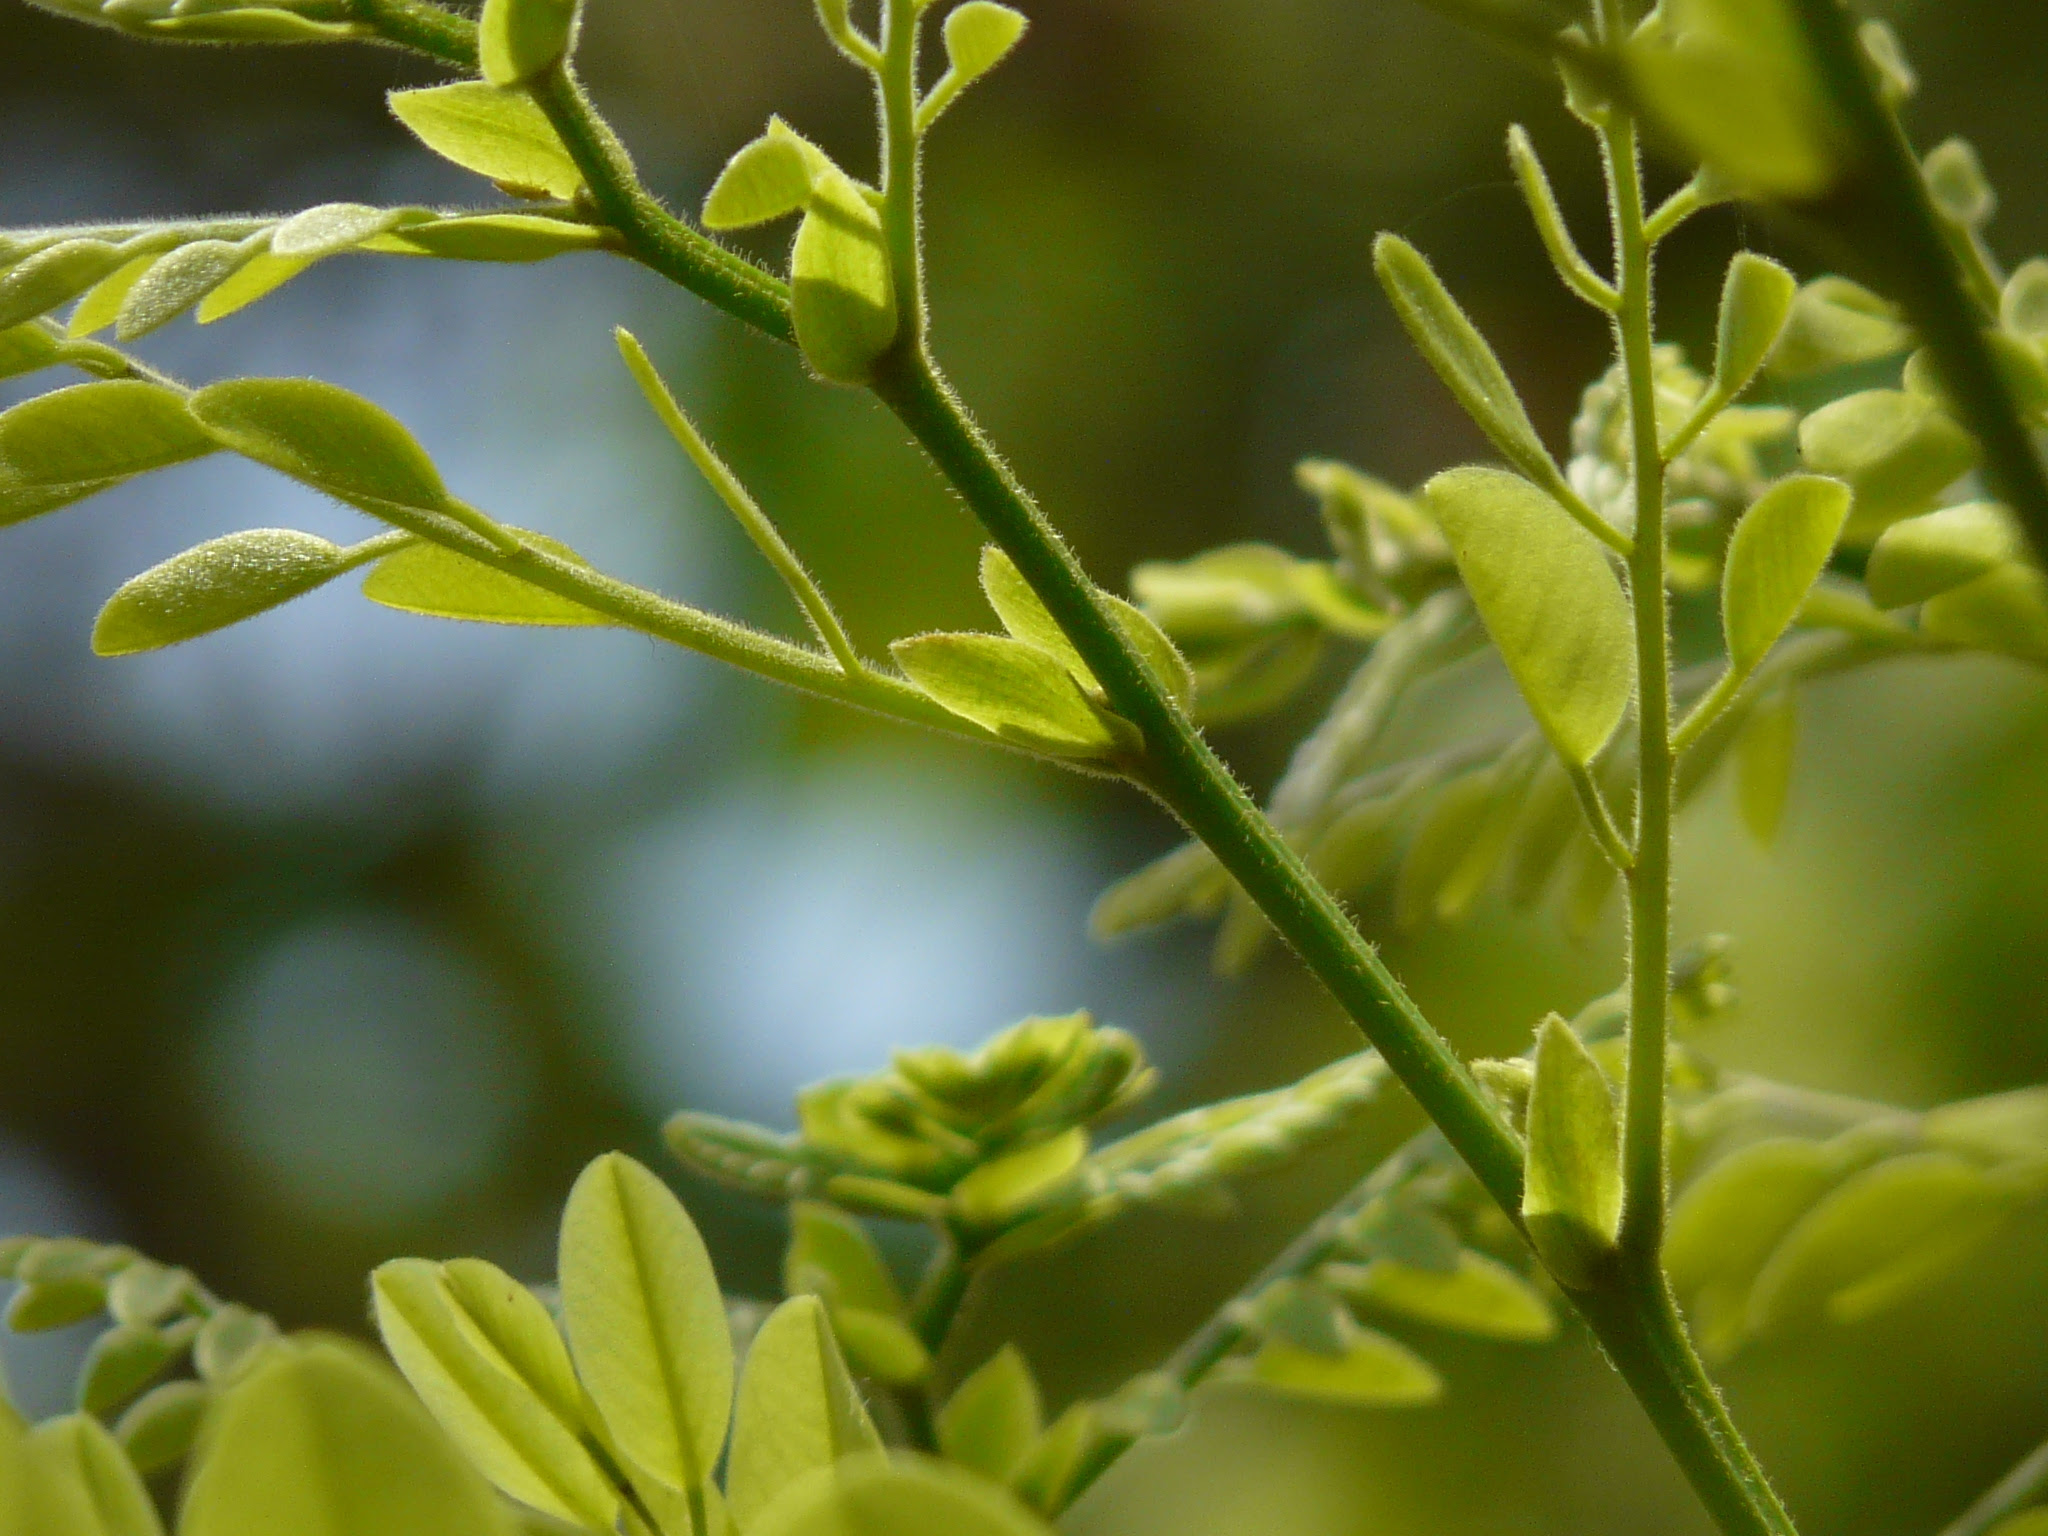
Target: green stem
[
  {"x": 1599, "y": 820},
  {"x": 896, "y": 86},
  {"x": 422, "y": 27},
  {"x": 2017, "y": 1488}
]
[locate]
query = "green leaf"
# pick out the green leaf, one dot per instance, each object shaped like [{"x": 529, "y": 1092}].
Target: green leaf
[
  {"x": 25, "y": 349},
  {"x": 1479, "y": 1296},
  {"x": 897, "y": 1496},
  {"x": 1837, "y": 324},
  {"x": 797, "y": 1410},
  {"x": 1999, "y": 1126},
  {"x": 1027, "y": 619},
  {"x": 1885, "y": 1232},
  {"x": 1756, "y": 300},
  {"x": 2005, "y": 612},
  {"x": 881, "y": 1346},
  {"x": 261, "y": 275},
  {"x": 434, "y": 580},
  {"x": 1898, "y": 452},
  {"x": 41, "y": 282},
  {"x": 253, "y": 24},
  {"x": 1012, "y": 689},
  {"x": 66, "y": 445},
  {"x": 178, "y": 281},
  {"x": 1922, "y": 557},
  {"x": 513, "y": 1323},
  {"x": 230, "y": 1343},
  {"x": 843, "y": 294},
  {"x": 768, "y": 178},
  {"x": 76, "y": 1482},
  {"x": 102, "y": 302},
  {"x": 124, "y": 1360},
  {"x": 1958, "y": 185},
  {"x": 320, "y": 1440},
  {"x": 332, "y": 228},
  {"x": 1571, "y": 1196},
  {"x": 1764, "y": 755},
  {"x": 42, "y": 1305},
  {"x": 1460, "y": 356},
  {"x": 1549, "y": 599},
  {"x": 831, "y": 1255},
  {"x": 979, "y": 35},
  {"x": 218, "y": 583},
  {"x": 322, "y": 435},
  {"x": 519, "y": 39},
  {"x": 160, "y": 1426},
  {"x": 1368, "y": 1369},
  {"x": 496, "y": 133},
  {"x": 646, "y": 1321},
  {"x": 496, "y": 237},
  {"x": 145, "y": 1293},
  {"x": 994, "y": 1417},
  {"x": 2023, "y": 307},
  {"x": 509, "y": 1433},
  {"x": 999, "y": 1192},
  {"x": 1775, "y": 555}
]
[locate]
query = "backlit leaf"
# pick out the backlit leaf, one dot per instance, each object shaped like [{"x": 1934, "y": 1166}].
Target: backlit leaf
[
  {"x": 24, "y": 349},
  {"x": 320, "y": 1440},
  {"x": 831, "y": 1255},
  {"x": 882, "y": 1346},
  {"x": 436, "y": 581},
  {"x": 330, "y": 229},
  {"x": 178, "y": 281},
  {"x": 101, "y": 304},
  {"x": 1478, "y": 1296},
  {"x": 260, "y": 275},
  {"x": 1836, "y": 324},
  {"x": 797, "y": 1410},
  {"x": 897, "y": 1496},
  {"x": 1010, "y": 688},
  {"x": 1897, "y": 451},
  {"x": 511, "y": 1320},
  {"x": 496, "y": 133},
  {"x": 1998, "y": 1126},
  {"x": 160, "y": 1426},
  {"x": 1549, "y": 599},
  {"x": 1368, "y": 1370},
  {"x": 1777, "y": 552},
  {"x": 766, "y": 179},
  {"x": 1450, "y": 830},
  {"x": 1571, "y": 1197},
  {"x": 60, "y": 447},
  {"x": 978, "y": 35},
  {"x": 320, "y": 434},
  {"x": 994, "y": 1417},
  {"x": 496, "y": 237},
  {"x": 39, "y": 283},
  {"x": 1000, "y": 1191},
  {"x": 230, "y": 1343},
  {"x": 76, "y": 1482},
  {"x": 518, "y": 39},
  {"x": 1755, "y": 301},
  {"x": 218, "y": 583},
  {"x": 842, "y": 293},
  {"x": 1026, "y": 618},
  {"x": 1922, "y": 557},
  {"x": 124, "y": 1360},
  {"x": 646, "y": 1321}
]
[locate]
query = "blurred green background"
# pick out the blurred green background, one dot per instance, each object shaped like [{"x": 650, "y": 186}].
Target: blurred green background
[{"x": 346, "y": 934}]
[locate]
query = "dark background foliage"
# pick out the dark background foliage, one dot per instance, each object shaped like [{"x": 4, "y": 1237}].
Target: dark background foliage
[{"x": 347, "y": 934}]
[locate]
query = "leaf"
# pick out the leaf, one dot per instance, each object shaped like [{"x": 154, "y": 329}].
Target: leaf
[
  {"x": 998, "y": 1192},
  {"x": 646, "y": 1321},
  {"x": 1479, "y": 1296},
  {"x": 496, "y": 133},
  {"x": 253, "y": 24},
  {"x": 797, "y": 1411},
  {"x": 1368, "y": 1370},
  {"x": 1764, "y": 755},
  {"x": 1775, "y": 555},
  {"x": 258, "y": 277},
  {"x": 994, "y": 1417},
  {"x": 1549, "y": 599},
  {"x": 76, "y": 1482},
  {"x": 42, "y": 1305},
  {"x": 1010, "y": 688},
  {"x": 160, "y": 1426},
  {"x": 331, "y": 229},
  {"x": 218, "y": 583},
  {"x": 25, "y": 349},
  {"x": 831, "y": 1255},
  {"x": 1883, "y": 1232},
  {"x": 66, "y": 445},
  {"x": 766, "y": 179},
  {"x": 39, "y": 283},
  {"x": 1836, "y": 324},
  {"x": 322, "y": 1441},
  {"x": 2006, "y": 612},
  {"x": 512, "y": 1435},
  {"x": 2023, "y": 307},
  {"x": 145, "y": 1293},
  {"x": 1027, "y": 619},
  {"x": 897, "y": 1496},
  {"x": 1998, "y": 1126},
  {"x": 1460, "y": 356},
  {"x": 124, "y": 1360},
  {"x": 881, "y": 1346},
  {"x": 1756, "y": 300},
  {"x": 322, "y": 435},
  {"x": 102, "y": 302},
  {"x": 978, "y": 36},
  {"x": 1956, "y": 182},
  {"x": 511, "y": 1320},
  {"x": 519, "y": 39},
  {"x": 178, "y": 281},
  {"x": 842, "y": 292},
  {"x": 1896, "y": 450},
  {"x": 230, "y": 1342},
  {"x": 1571, "y": 1196},
  {"x": 495, "y": 237},
  {"x": 1922, "y": 557},
  {"x": 436, "y": 581}
]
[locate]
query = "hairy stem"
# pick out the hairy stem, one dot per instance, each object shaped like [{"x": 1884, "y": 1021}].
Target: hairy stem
[{"x": 902, "y": 192}]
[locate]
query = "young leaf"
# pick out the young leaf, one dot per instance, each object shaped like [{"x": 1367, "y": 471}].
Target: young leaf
[
  {"x": 160, "y": 1426},
  {"x": 331, "y": 229},
  {"x": 1460, "y": 356},
  {"x": 881, "y": 1346},
  {"x": 178, "y": 281},
  {"x": 519, "y": 39},
  {"x": 259, "y": 276},
  {"x": 1451, "y": 829},
  {"x": 896, "y": 1496},
  {"x": 25, "y": 349},
  {"x": 1548, "y": 597},
  {"x": 433, "y": 580},
  {"x": 1836, "y": 324},
  {"x": 63, "y": 446},
  {"x": 41, "y": 1305},
  {"x": 1010, "y": 688},
  {"x": 76, "y": 1482},
  {"x": 797, "y": 1410},
  {"x": 218, "y": 583},
  {"x": 646, "y": 1321},
  {"x": 1026, "y": 618},
  {"x": 322, "y": 435},
  {"x": 39, "y": 283},
  {"x": 102, "y": 302},
  {"x": 145, "y": 1293},
  {"x": 1897, "y": 451},
  {"x": 1756, "y": 300},
  {"x": 1775, "y": 555},
  {"x": 510, "y": 237},
  {"x": 1000, "y": 1191},
  {"x": 1571, "y": 1197},
  {"x": 1998, "y": 1127},
  {"x": 831, "y": 1255},
  {"x": 230, "y": 1342},
  {"x": 496, "y": 133},
  {"x": 843, "y": 294},
  {"x": 508, "y": 1432},
  {"x": 2023, "y": 307},
  {"x": 994, "y": 1417},
  {"x": 1922, "y": 557},
  {"x": 124, "y": 1360},
  {"x": 979, "y": 35},
  {"x": 768, "y": 178},
  {"x": 511, "y": 1320},
  {"x": 323, "y": 1441},
  {"x": 1479, "y": 1296},
  {"x": 1958, "y": 185},
  {"x": 2005, "y": 612},
  {"x": 1764, "y": 755},
  {"x": 1368, "y": 1369}
]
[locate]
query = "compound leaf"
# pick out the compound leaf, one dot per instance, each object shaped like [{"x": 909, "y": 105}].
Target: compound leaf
[
  {"x": 496, "y": 133},
  {"x": 218, "y": 583},
  {"x": 1777, "y": 552},
  {"x": 797, "y": 1410}
]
